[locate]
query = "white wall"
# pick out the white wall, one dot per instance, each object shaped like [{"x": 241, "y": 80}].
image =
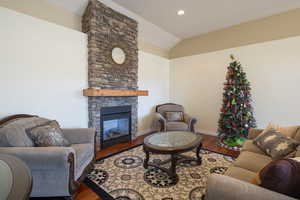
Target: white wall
[
  {"x": 153, "y": 76},
  {"x": 44, "y": 69},
  {"x": 273, "y": 68}
]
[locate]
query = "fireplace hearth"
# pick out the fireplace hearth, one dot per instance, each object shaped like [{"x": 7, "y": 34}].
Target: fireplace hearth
[{"x": 115, "y": 123}]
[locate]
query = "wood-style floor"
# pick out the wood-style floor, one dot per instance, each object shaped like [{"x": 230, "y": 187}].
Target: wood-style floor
[{"x": 85, "y": 193}]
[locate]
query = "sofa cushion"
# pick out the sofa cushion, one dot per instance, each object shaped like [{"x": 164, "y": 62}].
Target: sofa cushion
[
  {"x": 249, "y": 146},
  {"x": 275, "y": 144},
  {"x": 177, "y": 126},
  {"x": 84, "y": 153},
  {"x": 297, "y": 135},
  {"x": 289, "y": 131},
  {"x": 10, "y": 121},
  {"x": 252, "y": 161},
  {"x": 47, "y": 135},
  {"x": 14, "y": 134},
  {"x": 297, "y": 154},
  {"x": 241, "y": 174},
  {"x": 253, "y": 133}
]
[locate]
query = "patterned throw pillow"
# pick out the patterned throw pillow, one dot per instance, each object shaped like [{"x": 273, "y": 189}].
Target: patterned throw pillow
[
  {"x": 174, "y": 116},
  {"x": 275, "y": 144},
  {"x": 47, "y": 135},
  {"x": 281, "y": 176}
]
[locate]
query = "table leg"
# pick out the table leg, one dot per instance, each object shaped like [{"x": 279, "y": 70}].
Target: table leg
[
  {"x": 199, "y": 159},
  {"x": 146, "y": 160},
  {"x": 173, "y": 164}
]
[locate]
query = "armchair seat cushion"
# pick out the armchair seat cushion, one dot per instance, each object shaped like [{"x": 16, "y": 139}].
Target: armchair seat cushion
[
  {"x": 84, "y": 154},
  {"x": 177, "y": 126},
  {"x": 252, "y": 161},
  {"x": 241, "y": 174}
]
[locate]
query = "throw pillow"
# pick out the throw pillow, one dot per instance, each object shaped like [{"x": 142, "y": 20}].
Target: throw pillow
[
  {"x": 281, "y": 176},
  {"x": 275, "y": 144},
  {"x": 46, "y": 135},
  {"x": 13, "y": 133},
  {"x": 174, "y": 116}
]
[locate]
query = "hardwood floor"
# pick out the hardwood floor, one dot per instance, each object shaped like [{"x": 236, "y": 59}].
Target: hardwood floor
[{"x": 85, "y": 193}]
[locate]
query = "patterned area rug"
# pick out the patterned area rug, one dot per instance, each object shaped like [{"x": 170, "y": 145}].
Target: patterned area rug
[{"x": 122, "y": 176}]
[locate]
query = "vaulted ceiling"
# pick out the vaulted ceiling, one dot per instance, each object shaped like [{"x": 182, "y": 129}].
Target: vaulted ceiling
[
  {"x": 160, "y": 24},
  {"x": 202, "y": 16}
]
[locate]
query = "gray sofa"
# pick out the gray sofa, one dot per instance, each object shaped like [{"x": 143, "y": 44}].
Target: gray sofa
[
  {"x": 236, "y": 184},
  {"x": 56, "y": 171},
  {"x": 161, "y": 123}
]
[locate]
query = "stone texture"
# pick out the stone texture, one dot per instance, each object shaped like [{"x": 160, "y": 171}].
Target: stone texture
[{"x": 107, "y": 29}]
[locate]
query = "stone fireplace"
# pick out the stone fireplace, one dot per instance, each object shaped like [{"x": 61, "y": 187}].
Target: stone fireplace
[{"x": 112, "y": 86}]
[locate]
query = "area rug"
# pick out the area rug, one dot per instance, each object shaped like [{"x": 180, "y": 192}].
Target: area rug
[{"x": 122, "y": 176}]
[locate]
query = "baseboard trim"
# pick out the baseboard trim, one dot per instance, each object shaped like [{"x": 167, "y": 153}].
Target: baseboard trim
[
  {"x": 206, "y": 132},
  {"x": 145, "y": 131}
]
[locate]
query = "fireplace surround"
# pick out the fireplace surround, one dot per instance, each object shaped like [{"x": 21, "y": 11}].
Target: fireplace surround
[
  {"x": 96, "y": 105},
  {"x": 115, "y": 123}
]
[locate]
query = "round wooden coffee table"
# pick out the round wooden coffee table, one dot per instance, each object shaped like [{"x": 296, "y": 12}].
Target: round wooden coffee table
[{"x": 172, "y": 143}]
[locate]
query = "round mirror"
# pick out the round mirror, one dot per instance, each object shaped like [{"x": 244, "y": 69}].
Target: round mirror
[{"x": 118, "y": 55}]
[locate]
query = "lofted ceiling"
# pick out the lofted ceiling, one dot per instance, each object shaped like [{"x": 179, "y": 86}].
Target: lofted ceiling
[
  {"x": 148, "y": 31},
  {"x": 203, "y": 16},
  {"x": 160, "y": 24}
]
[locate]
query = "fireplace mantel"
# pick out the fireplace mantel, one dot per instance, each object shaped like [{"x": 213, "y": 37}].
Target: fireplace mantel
[{"x": 92, "y": 92}]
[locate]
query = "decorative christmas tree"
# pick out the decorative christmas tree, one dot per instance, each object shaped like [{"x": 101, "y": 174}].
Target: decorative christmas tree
[{"x": 236, "y": 116}]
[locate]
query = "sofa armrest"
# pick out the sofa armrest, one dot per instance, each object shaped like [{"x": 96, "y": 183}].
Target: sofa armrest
[
  {"x": 161, "y": 122},
  {"x": 253, "y": 133},
  {"x": 227, "y": 188},
  {"x": 80, "y": 135},
  {"x": 42, "y": 158},
  {"x": 52, "y": 169},
  {"x": 191, "y": 121}
]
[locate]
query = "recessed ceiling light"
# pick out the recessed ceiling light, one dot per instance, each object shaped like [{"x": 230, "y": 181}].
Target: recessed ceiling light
[{"x": 180, "y": 12}]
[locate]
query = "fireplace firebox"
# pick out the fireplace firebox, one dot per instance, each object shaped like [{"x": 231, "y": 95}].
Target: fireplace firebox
[{"x": 115, "y": 125}]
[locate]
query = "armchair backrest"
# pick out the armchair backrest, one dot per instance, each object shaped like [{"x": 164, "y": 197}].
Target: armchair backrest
[
  {"x": 6, "y": 120},
  {"x": 169, "y": 107}
]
